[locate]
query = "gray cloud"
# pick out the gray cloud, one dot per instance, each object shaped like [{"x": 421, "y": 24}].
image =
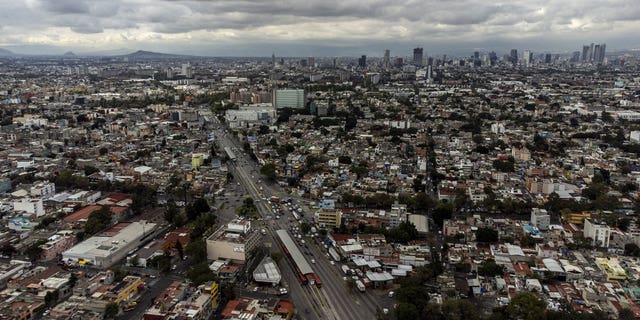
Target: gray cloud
[{"x": 368, "y": 23}]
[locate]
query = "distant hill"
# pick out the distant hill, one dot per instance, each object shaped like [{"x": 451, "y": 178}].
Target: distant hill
[
  {"x": 5, "y": 52},
  {"x": 150, "y": 55},
  {"x": 69, "y": 54}
]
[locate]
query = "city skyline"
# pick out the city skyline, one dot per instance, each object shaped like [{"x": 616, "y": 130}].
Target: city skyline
[{"x": 320, "y": 28}]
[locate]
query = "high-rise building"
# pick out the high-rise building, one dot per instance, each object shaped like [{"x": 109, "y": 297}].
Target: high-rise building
[
  {"x": 187, "y": 71},
  {"x": 289, "y": 98},
  {"x": 311, "y": 62},
  {"x": 385, "y": 60},
  {"x": 585, "y": 53},
  {"x": 547, "y": 58},
  {"x": 362, "y": 62},
  {"x": 527, "y": 58},
  {"x": 598, "y": 53},
  {"x": 417, "y": 56},
  {"x": 273, "y": 59},
  {"x": 513, "y": 56},
  {"x": 493, "y": 58},
  {"x": 591, "y": 52}
]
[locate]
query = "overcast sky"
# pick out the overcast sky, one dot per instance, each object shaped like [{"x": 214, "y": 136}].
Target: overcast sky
[{"x": 316, "y": 27}]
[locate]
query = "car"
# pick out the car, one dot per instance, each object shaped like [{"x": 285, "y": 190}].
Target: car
[
  {"x": 332, "y": 263},
  {"x": 173, "y": 267},
  {"x": 391, "y": 294},
  {"x": 313, "y": 260}
]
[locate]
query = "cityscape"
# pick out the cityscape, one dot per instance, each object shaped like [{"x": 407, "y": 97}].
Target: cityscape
[{"x": 338, "y": 160}]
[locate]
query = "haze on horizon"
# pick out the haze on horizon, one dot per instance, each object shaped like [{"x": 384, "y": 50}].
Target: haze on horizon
[{"x": 315, "y": 27}]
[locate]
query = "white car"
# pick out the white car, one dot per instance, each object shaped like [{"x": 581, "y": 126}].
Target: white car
[{"x": 313, "y": 260}]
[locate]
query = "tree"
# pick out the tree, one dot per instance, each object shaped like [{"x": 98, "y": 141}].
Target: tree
[
  {"x": 98, "y": 220},
  {"x": 305, "y": 228},
  {"x": 407, "y": 311},
  {"x": 442, "y": 211},
  {"x": 111, "y": 310},
  {"x": 8, "y": 250},
  {"x": 525, "y": 306},
  {"x": 200, "y": 273},
  {"x": 197, "y": 250},
  {"x": 34, "y": 252},
  {"x": 626, "y": 314},
  {"x": 631, "y": 249},
  {"x": 51, "y": 298},
  {"x": 459, "y": 309},
  {"x": 487, "y": 235},
  {"x": 403, "y": 233},
  {"x": 344, "y": 160},
  {"x": 490, "y": 268},
  {"x": 269, "y": 170},
  {"x": 179, "y": 249},
  {"x": 73, "y": 279}
]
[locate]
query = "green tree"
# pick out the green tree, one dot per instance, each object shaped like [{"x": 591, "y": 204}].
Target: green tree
[
  {"x": 34, "y": 251},
  {"x": 73, "y": 279},
  {"x": 197, "y": 250},
  {"x": 407, "y": 311},
  {"x": 459, "y": 309},
  {"x": 487, "y": 235},
  {"x": 489, "y": 268},
  {"x": 179, "y": 248},
  {"x": 525, "y": 306},
  {"x": 51, "y": 298},
  {"x": 442, "y": 211},
  {"x": 111, "y": 310},
  {"x": 626, "y": 314},
  {"x": 403, "y": 233},
  {"x": 98, "y": 220},
  {"x": 200, "y": 273},
  {"x": 269, "y": 170},
  {"x": 8, "y": 250}
]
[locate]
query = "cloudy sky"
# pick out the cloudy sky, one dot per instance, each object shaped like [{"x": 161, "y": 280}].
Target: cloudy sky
[{"x": 315, "y": 27}]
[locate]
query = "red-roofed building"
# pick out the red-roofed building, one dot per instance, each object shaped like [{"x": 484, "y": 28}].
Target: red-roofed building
[
  {"x": 117, "y": 199},
  {"x": 81, "y": 215}
]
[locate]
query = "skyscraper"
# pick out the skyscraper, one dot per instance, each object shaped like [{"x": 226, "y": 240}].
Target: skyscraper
[
  {"x": 598, "y": 53},
  {"x": 493, "y": 58},
  {"x": 585, "y": 53},
  {"x": 385, "y": 60},
  {"x": 417, "y": 56},
  {"x": 527, "y": 57},
  {"x": 362, "y": 62},
  {"x": 513, "y": 56}
]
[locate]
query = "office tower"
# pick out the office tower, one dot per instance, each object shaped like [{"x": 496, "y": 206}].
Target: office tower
[
  {"x": 513, "y": 56},
  {"x": 585, "y": 53},
  {"x": 303, "y": 63},
  {"x": 591, "y": 52},
  {"x": 527, "y": 58},
  {"x": 273, "y": 59},
  {"x": 398, "y": 62},
  {"x": 385, "y": 60},
  {"x": 362, "y": 62},
  {"x": 429, "y": 74},
  {"x": 576, "y": 56},
  {"x": 493, "y": 58},
  {"x": 187, "y": 71},
  {"x": 598, "y": 53},
  {"x": 417, "y": 56},
  {"x": 169, "y": 73},
  {"x": 335, "y": 63},
  {"x": 311, "y": 62},
  {"x": 547, "y": 58},
  {"x": 289, "y": 98},
  {"x": 476, "y": 59}
]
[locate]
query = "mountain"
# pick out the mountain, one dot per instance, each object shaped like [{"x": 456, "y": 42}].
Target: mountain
[
  {"x": 5, "y": 52},
  {"x": 150, "y": 55},
  {"x": 69, "y": 54}
]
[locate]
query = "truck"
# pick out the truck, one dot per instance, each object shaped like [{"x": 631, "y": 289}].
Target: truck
[
  {"x": 275, "y": 199},
  {"x": 360, "y": 286},
  {"x": 345, "y": 269}
]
